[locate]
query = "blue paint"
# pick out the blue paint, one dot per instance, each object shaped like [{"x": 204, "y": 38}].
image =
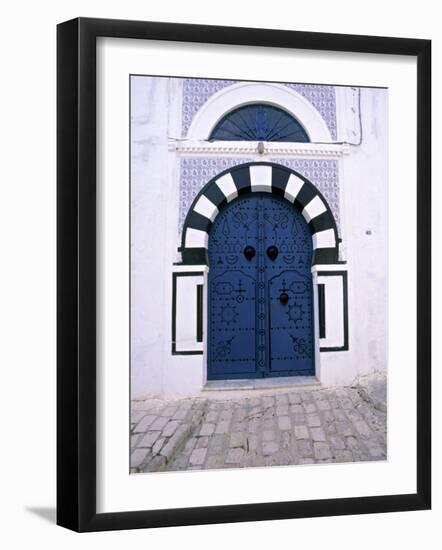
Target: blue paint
[
  {"x": 259, "y": 122},
  {"x": 252, "y": 333}
]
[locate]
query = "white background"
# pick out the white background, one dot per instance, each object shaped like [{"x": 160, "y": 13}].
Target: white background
[{"x": 27, "y": 298}]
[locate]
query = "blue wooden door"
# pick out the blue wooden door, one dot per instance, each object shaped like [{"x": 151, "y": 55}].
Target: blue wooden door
[{"x": 260, "y": 315}]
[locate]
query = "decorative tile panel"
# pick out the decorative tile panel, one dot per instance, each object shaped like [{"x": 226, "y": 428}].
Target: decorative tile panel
[
  {"x": 324, "y": 174},
  {"x": 196, "y": 91},
  {"x": 195, "y": 172}
]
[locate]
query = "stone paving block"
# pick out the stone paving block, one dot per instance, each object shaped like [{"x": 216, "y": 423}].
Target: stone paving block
[
  {"x": 375, "y": 450},
  {"x": 323, "y": 405},
  {"x": 136, "y": 416},
  {"x": 252, "y": 442},
  {"x": 222, "y": 427},
  {"x": 346, "y": 403},
  {"x": 268, "y": 423},
  {"x": 145, "y": 423},
  {"x": 306, "y": 461},
  {"x": 340, "y": 415},
  {"x": 169, "y": 411},
  {"x": 134, "y": 440},
  {"x": 202, "y": 442},
  {"x": 239, "y": 426},
  {"x": 282, "y": 410},
  {"x": 301, "y": 432},
  {"x": 207, "y": 429},
  {"x": 284, "y": 423},
  {"x": 353, "y": 415},
  {"x": 157, "y": 464},
  {"x": 353, "y": 444},
  {"x": 328, "y": 417},
  {"x": 305, "y": 448},
  {"x": 299, "y": 418},
  {"x": 313, "y": 420},
  {"x": 344, "y": 429},
  {"x": 181, "y": 413},
  {"x": 149, "y": 439},
  {"x": 282, "y": 399},
  {"x": 200, "y": 404},
  {"x": 297, "y": 409},
  {"x": 215, "y": 461},
  {"x": 218, "y": 443},
  {"x": 277, "y": 459},
  {"x": 190, "y": 444},
  {"x": 343, "y": 456},
  {"x": 294, "y": 398},
  {"x": 268, "y": 435},
  {"x": 170, "y": 428},
  {"x": 197, "y": 457},
  {"x": 211, "y": 416},
  {"x": 141, "y": 405},
  {"x": 309, "y": 407},
  {"x": 285, "y": 442},
  {"x": 226, "y": 415},
  {"x": 138, "y": 457},
  {"x": 175, "y": 441},
  {"x": 234, "y": 456},
  {"x": 157, "y": 446},
  {"x": 321, "y": 451},
  {"x": 237, "y": 439},
  {"x": 270, "y": 412},
  {"x": 337, "y": 442},
  {"x": 159, "y": 423},
  {"x": 253, "y": 425},
  {"x": 363, "y": 428},
  {"x": 269, "y": 447},
  {"x": 239, "y": 414},
  {"x": 317, "y": 434},
  {"x": 255, "y": 412},
  {"x": 268, "y": 401}
]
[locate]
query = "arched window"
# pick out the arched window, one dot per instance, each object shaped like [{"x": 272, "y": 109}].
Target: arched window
[{"x": 259, "y": 122}]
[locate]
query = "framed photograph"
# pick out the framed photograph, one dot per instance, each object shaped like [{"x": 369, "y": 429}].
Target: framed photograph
[{"x": 243, "y": 274}]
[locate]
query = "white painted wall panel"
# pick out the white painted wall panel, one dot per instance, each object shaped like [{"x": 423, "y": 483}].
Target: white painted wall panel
[
  {"x": 186, "y": 313},
  {"x": 334, "y": 311}
]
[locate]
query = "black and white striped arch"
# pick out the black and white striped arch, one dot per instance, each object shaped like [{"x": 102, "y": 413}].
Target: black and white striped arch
[{"x": 259, "y": 177}]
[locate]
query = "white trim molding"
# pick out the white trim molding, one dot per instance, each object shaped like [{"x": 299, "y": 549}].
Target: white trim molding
[{"x": 274, "y": 149}]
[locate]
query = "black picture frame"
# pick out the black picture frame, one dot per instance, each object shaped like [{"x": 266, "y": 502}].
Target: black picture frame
[{"x": 77, "y": 287}]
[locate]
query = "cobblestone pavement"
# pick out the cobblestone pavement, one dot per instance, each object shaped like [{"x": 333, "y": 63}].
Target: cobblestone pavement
[{"x": 297, "y": 426}]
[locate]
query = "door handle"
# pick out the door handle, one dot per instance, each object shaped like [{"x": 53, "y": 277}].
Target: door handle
[
  {"x": 249, "y": 252},
  {"x": 272, "y": 252},
  {"x": 283, "y": 298}
]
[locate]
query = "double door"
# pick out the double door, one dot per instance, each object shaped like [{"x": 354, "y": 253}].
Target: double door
[{"x": 260, "y": 301}]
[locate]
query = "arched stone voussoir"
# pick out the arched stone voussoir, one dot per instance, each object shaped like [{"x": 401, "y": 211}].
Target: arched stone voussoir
[{"x": 260, "y": 177}]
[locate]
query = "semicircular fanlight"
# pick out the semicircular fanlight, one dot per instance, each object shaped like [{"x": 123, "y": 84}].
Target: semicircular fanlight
[{"x": 259, "y": 122}]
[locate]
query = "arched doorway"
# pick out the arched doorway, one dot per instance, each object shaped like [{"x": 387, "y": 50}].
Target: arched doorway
[{"x": 260, "y": 292}]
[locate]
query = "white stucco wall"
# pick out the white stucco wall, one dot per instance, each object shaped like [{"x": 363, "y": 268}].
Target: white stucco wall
[
  {"x": 151, "y": 205},
  {"x": 156, "y": 117},
  {"x": 364, "y": 196}
]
